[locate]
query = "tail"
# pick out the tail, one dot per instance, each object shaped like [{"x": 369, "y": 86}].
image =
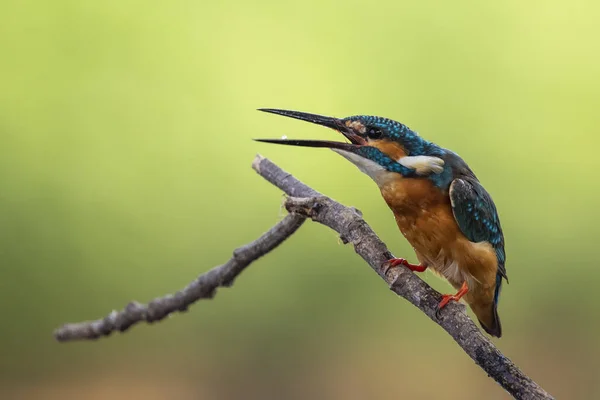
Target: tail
[
  {"x": 487, "y": 314},
  {"x": 487, "y": 311}
]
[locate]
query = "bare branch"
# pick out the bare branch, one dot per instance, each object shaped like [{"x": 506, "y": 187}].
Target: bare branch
[
  {"x": 349, "y": 223},
  {"x": 204, "y": 287},
  {"x": 305, "y": 202}
]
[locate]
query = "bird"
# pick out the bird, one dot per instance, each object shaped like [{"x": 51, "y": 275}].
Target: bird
[{"x": 438, "y": 203}]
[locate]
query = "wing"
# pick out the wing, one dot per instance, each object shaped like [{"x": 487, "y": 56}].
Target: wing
[{"x": 477, "y": 218}]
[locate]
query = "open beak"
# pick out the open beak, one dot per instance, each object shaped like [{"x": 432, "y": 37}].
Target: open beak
[{"x": 334, "y": 123}]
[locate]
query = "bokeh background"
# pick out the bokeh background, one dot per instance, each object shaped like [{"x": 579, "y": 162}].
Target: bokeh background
[{"x": 125, "y": 172}]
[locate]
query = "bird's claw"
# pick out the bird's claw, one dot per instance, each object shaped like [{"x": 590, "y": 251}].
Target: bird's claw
[
  {"x": 443, "y": 303},
  {"x": 394, "y": 262},
  {"x": 446, "y": 298}
]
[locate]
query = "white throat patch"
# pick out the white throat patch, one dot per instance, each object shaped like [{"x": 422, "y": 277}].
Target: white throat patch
[{"x": 371, "y": 168}]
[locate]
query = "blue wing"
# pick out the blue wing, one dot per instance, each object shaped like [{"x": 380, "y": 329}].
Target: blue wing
[{"x": 477, "y": 218}]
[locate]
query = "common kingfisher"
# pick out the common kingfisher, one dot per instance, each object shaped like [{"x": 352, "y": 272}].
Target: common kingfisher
[{"x": 439, "y": 205}]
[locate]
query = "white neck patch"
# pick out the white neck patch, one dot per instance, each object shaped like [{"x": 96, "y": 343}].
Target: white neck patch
[{"x": 423, "y": 165}]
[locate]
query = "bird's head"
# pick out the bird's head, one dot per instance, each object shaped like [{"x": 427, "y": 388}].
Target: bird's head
[{"x": 377, "y": 145}]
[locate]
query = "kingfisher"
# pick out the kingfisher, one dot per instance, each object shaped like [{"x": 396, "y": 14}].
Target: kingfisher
[{"x": 438, "y": 203}]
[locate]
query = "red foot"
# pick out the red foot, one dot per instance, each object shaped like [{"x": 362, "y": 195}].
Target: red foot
[
  {"x": 394, "y": 262},
  {"x": 447, "y": 297}
]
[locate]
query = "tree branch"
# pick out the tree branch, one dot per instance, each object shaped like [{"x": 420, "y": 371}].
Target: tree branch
[
  {"x": 204, "y": 287},
  {"x": 305, "y": 202},
  {"x": 348, "y": 222}
]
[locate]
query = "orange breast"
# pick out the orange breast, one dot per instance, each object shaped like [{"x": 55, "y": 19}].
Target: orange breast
[{"x": 424, "y": 215}]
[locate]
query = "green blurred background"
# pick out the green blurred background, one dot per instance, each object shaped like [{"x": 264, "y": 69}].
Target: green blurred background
[{"x": 125, "y": 172}]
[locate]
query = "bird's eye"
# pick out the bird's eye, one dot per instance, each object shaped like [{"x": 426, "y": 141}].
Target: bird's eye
[{"x": 374, "y": 133}]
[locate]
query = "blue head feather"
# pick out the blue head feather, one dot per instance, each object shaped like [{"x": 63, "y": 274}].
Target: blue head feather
[
  {"x": 410, "y": 140},
  {"x": 414, "y": 144}
]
